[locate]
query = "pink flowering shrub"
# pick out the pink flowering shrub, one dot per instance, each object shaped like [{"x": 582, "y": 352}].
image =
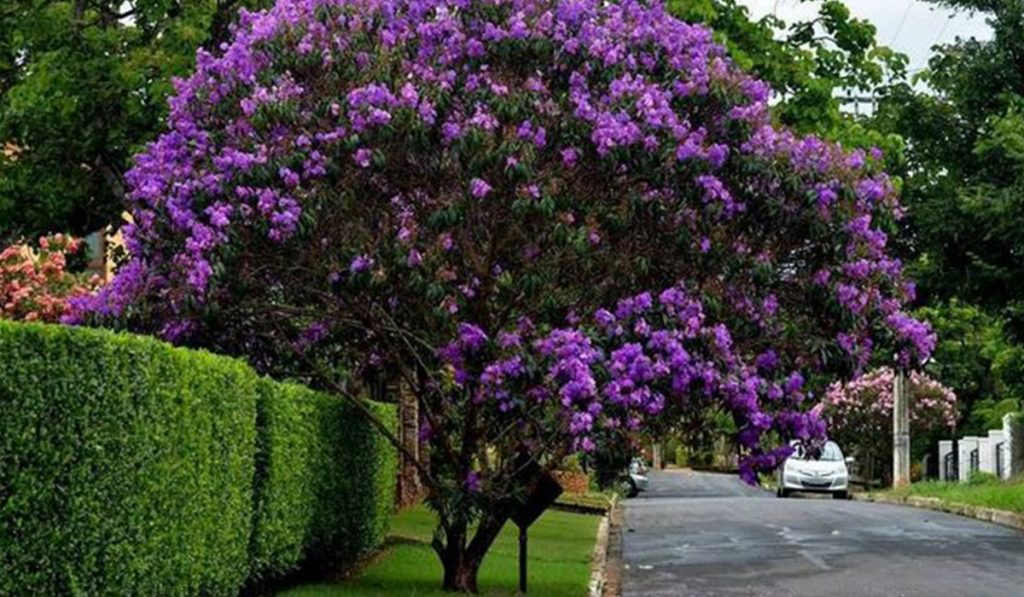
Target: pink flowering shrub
[
  {"x": 34, "y": 282},
  {"x": 859, "y": 412},
  {"x": 560, "y": 221}
]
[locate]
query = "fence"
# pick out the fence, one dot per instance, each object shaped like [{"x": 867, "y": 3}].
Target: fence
[{"x": 950, "y": 468}]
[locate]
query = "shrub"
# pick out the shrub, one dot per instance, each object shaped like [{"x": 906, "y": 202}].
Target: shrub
[
  {"x": 128, "y": 466},
  {"x": 859, "y": 413},
  {"x": 35, "y": 283},
  {"x": 981, "y": 478},
  {"x": 325, "y": 480}
]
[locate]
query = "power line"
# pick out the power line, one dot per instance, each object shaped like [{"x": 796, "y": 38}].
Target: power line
[
  {"x": 942, "y": 31},
  {"x": 903, "y": 21}
]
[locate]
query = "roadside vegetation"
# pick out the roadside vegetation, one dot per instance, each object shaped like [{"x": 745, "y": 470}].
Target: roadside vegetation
[
  {"x": 560, "y": 547},
  {"x": 983, "y": 490}
]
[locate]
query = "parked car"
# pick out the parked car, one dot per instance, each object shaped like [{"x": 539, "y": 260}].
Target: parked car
[
  {"x": 635, "y": 480},
  {"x": 816, "y": 471}
]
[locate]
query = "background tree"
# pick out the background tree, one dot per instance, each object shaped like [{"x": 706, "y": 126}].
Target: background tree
[
  {"x": 558, "y": 221},
  {"x": 963, "y": 186},
  {"x": 859, "y": 415},
  {"x": 811, "y": 65},
  {"x": 83, "y": 85},
  {"x": 975, "y": 356}
]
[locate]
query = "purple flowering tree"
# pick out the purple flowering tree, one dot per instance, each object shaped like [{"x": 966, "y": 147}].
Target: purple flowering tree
[{"x": 558, "y": 221}]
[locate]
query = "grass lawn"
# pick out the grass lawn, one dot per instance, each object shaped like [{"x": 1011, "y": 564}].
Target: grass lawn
[
  {"x": 561, "y": 544},
  {"x": 987, "y": 493}
]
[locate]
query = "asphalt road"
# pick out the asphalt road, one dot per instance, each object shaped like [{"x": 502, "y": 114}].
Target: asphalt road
[{"x": 707, "y": 534}]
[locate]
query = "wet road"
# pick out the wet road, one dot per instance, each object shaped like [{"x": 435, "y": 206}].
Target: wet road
[{"x": 706, "y": 534}]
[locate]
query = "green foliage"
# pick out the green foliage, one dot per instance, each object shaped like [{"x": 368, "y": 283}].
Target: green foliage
[
  {"x": 126, "y": 465},
  {"x": 326, "y": 480},
  {"x": 965, "y": 165},
  {"x": 82, "y": 87},
  {"x": 981, "y": 478},
  {"x": 988, "y": 414},
  {"x": 976, "y": 357},
  {"x": 808, "y": 63},
  {"x": 130, "y": 466}
]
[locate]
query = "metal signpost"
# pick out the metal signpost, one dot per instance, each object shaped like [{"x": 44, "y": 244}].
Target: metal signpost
[{"x": 543, "y": 495}]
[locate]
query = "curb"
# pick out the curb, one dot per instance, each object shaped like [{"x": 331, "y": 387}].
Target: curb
[
  {"x": 598, "y": 560},
  {"x": 606, "y": 563},
  {"x": 1000, "y": 517}
]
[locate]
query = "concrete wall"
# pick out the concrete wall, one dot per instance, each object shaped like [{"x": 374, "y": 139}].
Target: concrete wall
[
  {"x": 1013, "y": 447},
  {"x": 986, "y": 463},
  {"x": 995, "y": 440},
  {"x": 1006, "y": 444}
]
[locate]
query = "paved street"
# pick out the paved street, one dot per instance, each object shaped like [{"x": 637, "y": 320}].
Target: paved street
[{"x": 707, "y": 534}]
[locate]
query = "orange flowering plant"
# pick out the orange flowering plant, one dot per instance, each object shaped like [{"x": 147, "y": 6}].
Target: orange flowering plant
[{"x": 35, "y": 283}]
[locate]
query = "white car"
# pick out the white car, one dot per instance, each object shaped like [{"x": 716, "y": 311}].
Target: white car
[
  {"x": 826, "y": 472},
  {"x": 636, "y": 479}
]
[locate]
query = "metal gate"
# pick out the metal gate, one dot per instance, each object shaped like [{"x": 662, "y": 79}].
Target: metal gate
[{"x": 950, "y": 466}]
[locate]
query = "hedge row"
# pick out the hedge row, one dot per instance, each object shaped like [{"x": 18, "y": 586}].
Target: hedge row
[
  {"x": 128, "y": 466},
  {"x": 328, "y": 480}
]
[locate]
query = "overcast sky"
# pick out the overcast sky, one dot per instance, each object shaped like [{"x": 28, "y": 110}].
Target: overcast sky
[{"x": 908, "y": 26}]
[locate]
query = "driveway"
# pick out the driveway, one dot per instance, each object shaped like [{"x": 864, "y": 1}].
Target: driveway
[{"x": 708, "y": 534}]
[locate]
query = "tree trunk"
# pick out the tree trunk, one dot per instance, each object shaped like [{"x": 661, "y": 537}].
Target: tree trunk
[
  {"x": 460, "y": 573},
  {"x": 409, "y": 484},
  {"x": 462, "y": 562}
]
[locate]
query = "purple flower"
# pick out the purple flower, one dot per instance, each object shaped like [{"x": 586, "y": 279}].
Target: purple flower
[
  {"x": 479, "y": 188},
  {"x": 471, "y": 337},
  {"x": 362, "y": 157},
  {"x": 767, "y": 360},
  {"x": 414, "y": 259},
  {"x": 473, "y": 482},
  {"x": 569, "y": 157},
  {"x": 360, "y": 264}
]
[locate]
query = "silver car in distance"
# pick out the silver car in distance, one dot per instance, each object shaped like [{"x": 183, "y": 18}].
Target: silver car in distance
[{"x": 825, "y": 472}]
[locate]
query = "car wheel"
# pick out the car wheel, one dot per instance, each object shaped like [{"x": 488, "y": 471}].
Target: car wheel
[
  {"x": 782, "y": 492},
  {"x": 841, "y": 495}
]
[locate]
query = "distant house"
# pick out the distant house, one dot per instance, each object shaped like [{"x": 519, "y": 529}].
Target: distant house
[{"x": 105, "y": 246}]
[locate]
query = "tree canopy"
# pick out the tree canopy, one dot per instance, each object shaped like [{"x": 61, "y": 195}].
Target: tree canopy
[
  {"x": 83, "y": 85},
  {"x": 809, "y": 64},
  {"x": 558, "y": 220},
  {"x": 965, "y": 139}
]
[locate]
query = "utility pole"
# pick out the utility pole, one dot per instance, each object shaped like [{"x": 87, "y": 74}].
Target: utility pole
[{"x": 900, "y": 430}]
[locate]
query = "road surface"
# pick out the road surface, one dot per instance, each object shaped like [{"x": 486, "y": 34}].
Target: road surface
[{"x": 706, "y": 534}]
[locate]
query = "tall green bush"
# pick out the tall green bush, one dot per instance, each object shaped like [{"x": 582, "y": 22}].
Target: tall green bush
[
  {"x": 326, "y": 480},
  {"x": 128, "y": 466},
  {"x": 125, "y": 465}
]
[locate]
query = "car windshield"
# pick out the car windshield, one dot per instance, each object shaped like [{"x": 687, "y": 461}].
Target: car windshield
[{"x": 830, "y": 452}]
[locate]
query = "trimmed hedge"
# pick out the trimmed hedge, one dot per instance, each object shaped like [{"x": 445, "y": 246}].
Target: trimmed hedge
[
  {"x": 328, "y": 481},
  {"x": 128, "y": 466}
]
